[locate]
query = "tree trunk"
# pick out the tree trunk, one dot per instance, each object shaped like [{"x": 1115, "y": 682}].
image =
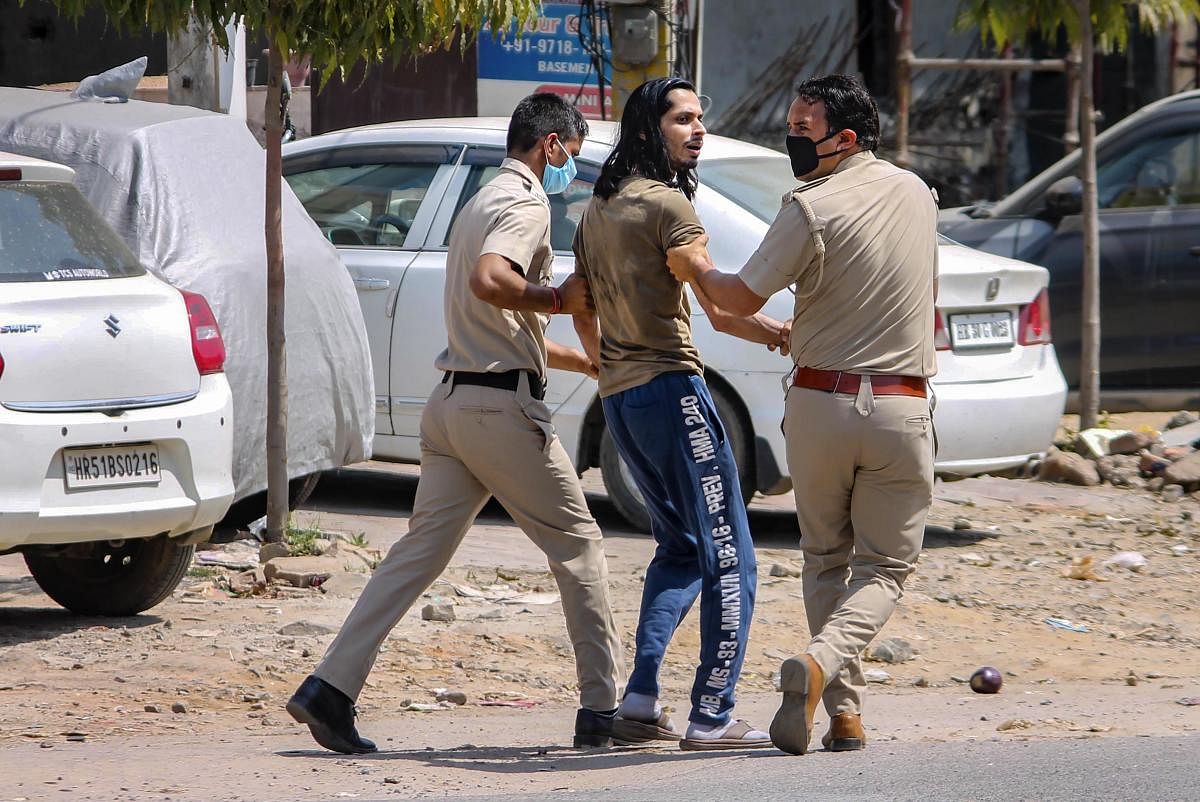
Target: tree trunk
[
  {"x": 277, "y": 461},
  {"x": 1089, "y": 364},
  {"x": 903, "y": 83}
]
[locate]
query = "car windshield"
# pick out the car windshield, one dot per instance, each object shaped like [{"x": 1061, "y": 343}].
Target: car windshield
[
  {"x": 757, "y": 184},
  {"x": 49, "y": 232}
]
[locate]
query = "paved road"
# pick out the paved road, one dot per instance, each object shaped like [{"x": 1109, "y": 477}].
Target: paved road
[{"x": 1083, "y": 769}]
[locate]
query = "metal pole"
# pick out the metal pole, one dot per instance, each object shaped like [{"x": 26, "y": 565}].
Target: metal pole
[
  {"x": 1000, "y": 64},
  {"x": 1071, "y": 126},
  {"x": 1003, "y": 120},
  {"x": 1089, "y": 362},
  {"x": 903, "y": 82}
]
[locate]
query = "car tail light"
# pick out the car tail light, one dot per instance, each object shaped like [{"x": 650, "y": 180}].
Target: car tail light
[
  {"x": 1034, "y": 325},
  {"x": 941, "y": 339},
  {"x": 207, "y": 346},
  {"x": 10, "y": 174}
]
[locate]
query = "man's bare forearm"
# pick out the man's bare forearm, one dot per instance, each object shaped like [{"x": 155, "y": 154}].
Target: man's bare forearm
[
  {"x": 563, "y": 357},
  {"x": 728, "y": 291},
  {"x": 494, "y": 281},
  {"x": 587, "y": 327},
  {"x": 756, "y": 327}
]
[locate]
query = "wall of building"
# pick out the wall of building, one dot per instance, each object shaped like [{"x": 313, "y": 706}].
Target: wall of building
[{"x": 37, "y": 46}]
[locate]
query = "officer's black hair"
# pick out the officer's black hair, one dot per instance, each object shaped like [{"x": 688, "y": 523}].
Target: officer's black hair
[
  {"x": 540, "y": 114},
  {"x": 640, "y": 148},
  {"x": 848, "y": 104}
]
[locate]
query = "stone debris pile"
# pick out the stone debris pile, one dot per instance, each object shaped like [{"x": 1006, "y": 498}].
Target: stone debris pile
[{"x": 1166, "y": 462}]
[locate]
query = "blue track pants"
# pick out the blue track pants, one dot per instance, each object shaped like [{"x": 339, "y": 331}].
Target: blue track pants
[{"x": 669, "y": 434}]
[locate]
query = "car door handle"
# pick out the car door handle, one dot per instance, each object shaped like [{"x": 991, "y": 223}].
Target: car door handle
[
  {"x": 1194, "y": 250},
  {"x": 372, "y": 284}
]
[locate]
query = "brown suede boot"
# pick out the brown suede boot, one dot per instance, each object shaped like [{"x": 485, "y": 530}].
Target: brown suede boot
[
  {"x": 802, "y": 682},
  {"x": 845, "y": 733}
]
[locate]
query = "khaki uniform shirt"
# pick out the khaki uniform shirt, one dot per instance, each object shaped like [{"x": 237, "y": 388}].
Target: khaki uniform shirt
[
  {"x": 509, "y": 216},
  {"x": 645, "y": 319},
  {"x": 870, "y": 308}
]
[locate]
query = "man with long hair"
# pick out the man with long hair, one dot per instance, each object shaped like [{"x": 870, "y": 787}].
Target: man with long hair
[
  {"x": 662, "y": 418},
  {"x": 858, "y": 239},
  {"x": 486, "y": 432}
]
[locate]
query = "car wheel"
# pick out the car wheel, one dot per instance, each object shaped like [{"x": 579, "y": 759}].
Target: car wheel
[
  {"x": 115, "y": 577},
  {"x": 624, "y": 493}
]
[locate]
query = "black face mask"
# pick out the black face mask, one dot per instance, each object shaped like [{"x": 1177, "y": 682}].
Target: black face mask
[{"x": 803, "y": 152}]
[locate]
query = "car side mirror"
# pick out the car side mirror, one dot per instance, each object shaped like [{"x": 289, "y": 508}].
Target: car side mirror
[{"x": 1064, "y": 197}]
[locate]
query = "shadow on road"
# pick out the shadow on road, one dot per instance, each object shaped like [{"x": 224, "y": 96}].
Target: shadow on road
[
  {"x": 363, "y": 491},
  {"x": 532, "y": 760},
  {"x": 32, "y": 624}
]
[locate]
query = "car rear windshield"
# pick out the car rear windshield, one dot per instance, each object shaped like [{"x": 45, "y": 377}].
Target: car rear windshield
[
  {"x": 49, "y": 232},
  {"x": 757, "y": 184}
]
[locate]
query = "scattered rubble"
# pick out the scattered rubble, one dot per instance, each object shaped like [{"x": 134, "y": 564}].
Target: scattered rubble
[
  {"x": 1166, "y": 462},
  {"x": 1064, "y": 466},
  {"x": 438, "y": 612},
  {"x": 891, "y": 650}
]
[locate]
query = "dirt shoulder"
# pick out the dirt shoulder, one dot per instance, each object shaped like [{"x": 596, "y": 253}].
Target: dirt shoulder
[{"x": 86, "y": 705}]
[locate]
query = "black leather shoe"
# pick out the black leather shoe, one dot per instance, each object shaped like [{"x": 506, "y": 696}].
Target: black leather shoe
[
  {"x": 329, "y": 714},
  {"x": 592, "y": 729}
]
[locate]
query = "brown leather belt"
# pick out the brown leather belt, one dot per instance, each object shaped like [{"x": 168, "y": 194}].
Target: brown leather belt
[{"x": 836, "y": 381}]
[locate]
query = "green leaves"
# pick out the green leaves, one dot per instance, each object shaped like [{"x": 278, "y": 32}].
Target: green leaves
[{"x": 1012, "y": 21}]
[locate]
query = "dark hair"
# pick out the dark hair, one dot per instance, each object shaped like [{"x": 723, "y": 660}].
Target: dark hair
[
  {"x": 640, "y": 148},
  {"x": 540, "y": 114},
  {"x": 848, "y": 104}
]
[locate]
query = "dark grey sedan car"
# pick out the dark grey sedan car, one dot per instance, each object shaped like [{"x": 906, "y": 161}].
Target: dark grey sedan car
[{"x": 1148, "y": 171}]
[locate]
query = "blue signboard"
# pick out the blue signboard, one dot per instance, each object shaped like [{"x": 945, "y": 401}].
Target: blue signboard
[{"x": 548, "y": 52}]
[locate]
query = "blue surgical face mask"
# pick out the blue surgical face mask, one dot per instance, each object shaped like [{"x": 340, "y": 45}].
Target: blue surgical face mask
[{"x": 557, "y": 179}]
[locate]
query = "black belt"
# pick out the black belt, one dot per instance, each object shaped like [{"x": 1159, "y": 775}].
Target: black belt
[{"x": 507, "y": 380}]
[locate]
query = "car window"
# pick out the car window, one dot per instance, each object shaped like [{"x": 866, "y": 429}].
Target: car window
[
  {"x": 49, "y": 232},
  {"x": 566, "y": 208},
  {"x": 367, "y": 196},
  {"x": 1158, "y": 172},
  {"x": 756, "y": 184}
]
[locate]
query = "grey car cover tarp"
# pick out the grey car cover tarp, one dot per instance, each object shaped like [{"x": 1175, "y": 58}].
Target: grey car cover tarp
[{"x": 185, "y": 189}]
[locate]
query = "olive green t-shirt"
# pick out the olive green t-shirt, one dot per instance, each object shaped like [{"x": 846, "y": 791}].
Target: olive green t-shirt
[{"x": 645, "y": 319}]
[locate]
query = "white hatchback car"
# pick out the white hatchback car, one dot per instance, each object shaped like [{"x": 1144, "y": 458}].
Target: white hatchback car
[
  {"x": 386, "y": 195},
  {"x": 115, "y": 415}
]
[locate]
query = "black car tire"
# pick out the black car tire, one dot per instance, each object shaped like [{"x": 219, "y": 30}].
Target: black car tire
[
  {"x": 111, "y": 577},
  {"x": 624, "y": 494}
]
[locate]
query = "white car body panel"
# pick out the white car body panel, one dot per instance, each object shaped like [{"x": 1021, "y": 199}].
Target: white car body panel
[
  {"x": 62, "y": 363},
  {"x": 153, "y": 343},
  {"x": 195, "y": 448}
]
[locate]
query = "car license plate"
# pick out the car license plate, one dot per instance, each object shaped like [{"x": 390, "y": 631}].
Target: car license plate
[
  {"x": 981, "y": 330},
  {"x": 111, "y": 466}
]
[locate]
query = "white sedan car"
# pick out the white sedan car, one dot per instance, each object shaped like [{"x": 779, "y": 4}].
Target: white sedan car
[
  {"x": 386, "y": 195},
  {"x": 115, "y": 416}
]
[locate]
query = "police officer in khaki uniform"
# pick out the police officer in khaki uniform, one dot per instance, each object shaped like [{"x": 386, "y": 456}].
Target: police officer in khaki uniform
[
  {"x": 486, "y": 432},
  {"x": 858, "y": 242}
]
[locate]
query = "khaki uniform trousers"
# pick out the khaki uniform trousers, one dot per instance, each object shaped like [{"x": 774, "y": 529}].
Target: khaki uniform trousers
[
  {"x": 477, "y": 442},
  {"x": 863, "y": 487}
]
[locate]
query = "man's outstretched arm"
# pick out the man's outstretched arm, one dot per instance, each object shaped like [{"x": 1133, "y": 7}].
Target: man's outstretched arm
[
  {"x": 563, "y": 357},
  {"x": 757, "y": 327},
  {"x": 691, "y": 263}
]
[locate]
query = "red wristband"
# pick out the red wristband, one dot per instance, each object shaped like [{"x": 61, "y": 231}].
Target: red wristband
[{"x": 556, "y": 306}]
